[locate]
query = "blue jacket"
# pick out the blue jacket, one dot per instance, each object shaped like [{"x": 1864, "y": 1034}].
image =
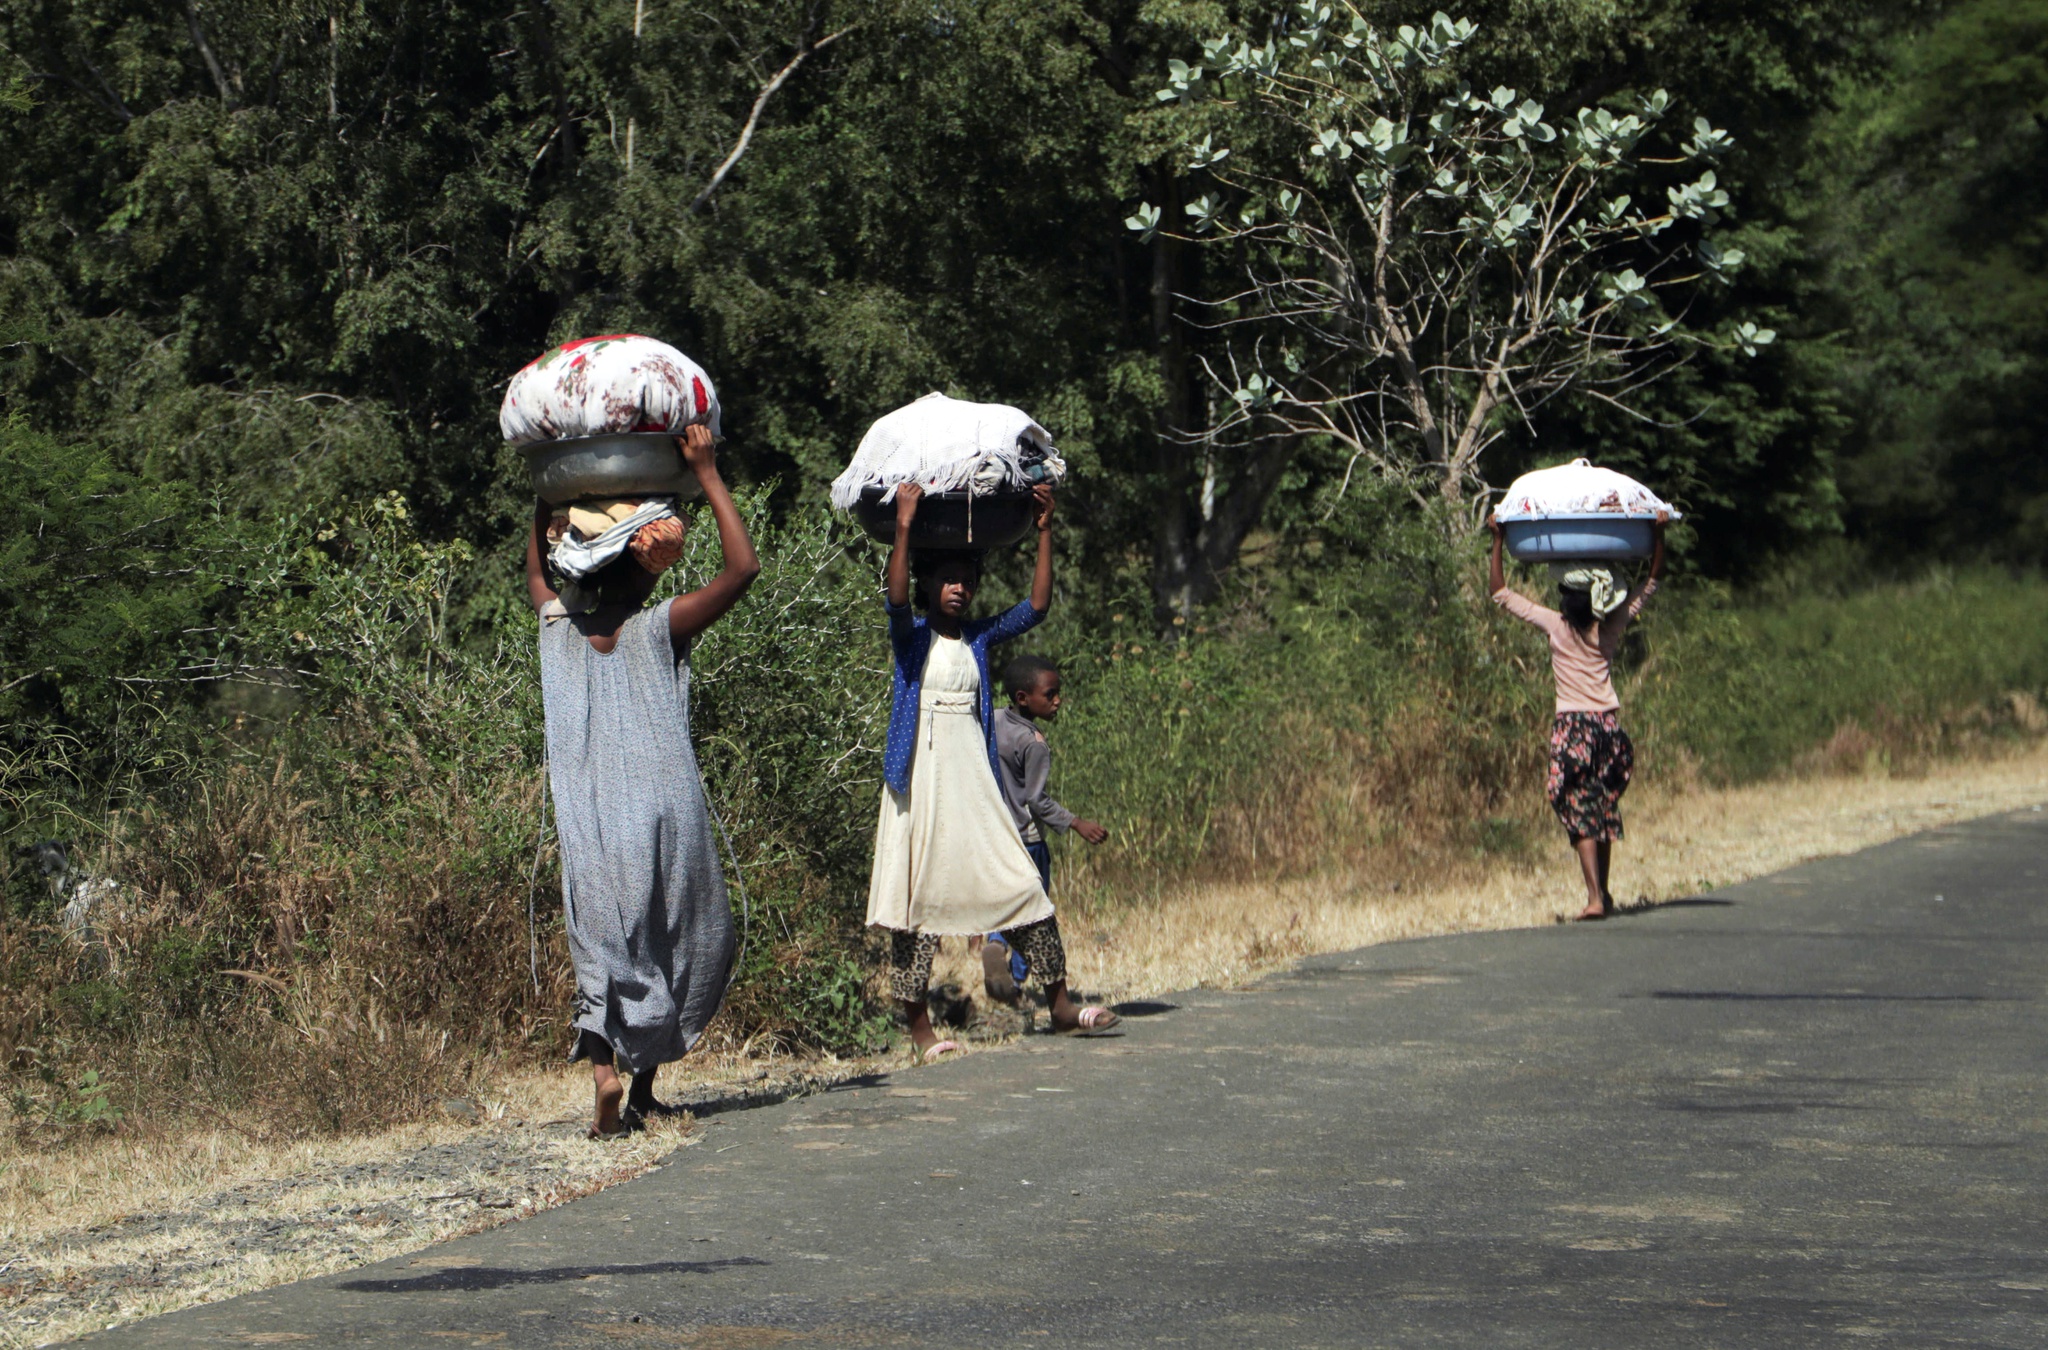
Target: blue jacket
[{"x": 910, "y": 638}]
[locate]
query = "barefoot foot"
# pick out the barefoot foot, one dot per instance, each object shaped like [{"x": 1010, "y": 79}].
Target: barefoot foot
[{"x": 610, "y": 1092}]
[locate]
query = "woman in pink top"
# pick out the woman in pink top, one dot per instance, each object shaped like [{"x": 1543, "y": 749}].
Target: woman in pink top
[{"x": 1591, "y": 757}]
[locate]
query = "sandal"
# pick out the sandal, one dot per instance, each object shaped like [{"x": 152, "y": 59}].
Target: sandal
[
  {"x": 996, "y": 978},
  {"x": 934, "y": 1051},
  {"x": 1094, "y": 1021}
]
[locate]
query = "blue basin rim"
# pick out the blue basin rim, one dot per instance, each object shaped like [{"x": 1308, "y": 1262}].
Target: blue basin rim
[{"x": 1559, "y": 540}]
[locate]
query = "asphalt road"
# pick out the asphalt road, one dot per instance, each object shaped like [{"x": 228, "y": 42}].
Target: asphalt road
[{"x": 1788, "y": 1113}]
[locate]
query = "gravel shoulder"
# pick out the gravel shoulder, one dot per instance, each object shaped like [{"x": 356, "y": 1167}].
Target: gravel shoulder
[{"x": 113, "y": 1230}]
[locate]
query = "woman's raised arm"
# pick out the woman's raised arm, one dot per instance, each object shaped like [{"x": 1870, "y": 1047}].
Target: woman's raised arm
[
  {"x": 689, "y": 615},
  {"x": 1041, "y": 574},
  {"x": 908, "y": 495},
  {"x": 1496, "y": 575}
]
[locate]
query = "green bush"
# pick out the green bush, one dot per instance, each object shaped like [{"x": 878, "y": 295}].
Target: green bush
[
  {"x": 353, "y": 871},
  {"x": 362, "y": 614},
  {"x": 1379, "y": 698},
  {"x": 1750, "y": 686},
  {"x": 1351, "y": 690}
]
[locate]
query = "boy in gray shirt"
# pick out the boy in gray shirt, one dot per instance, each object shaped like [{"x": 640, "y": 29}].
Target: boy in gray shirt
[{"x": 1025, "y": 761}]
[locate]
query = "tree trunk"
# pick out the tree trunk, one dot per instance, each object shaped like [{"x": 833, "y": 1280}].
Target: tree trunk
[
  {"x": 1205, "y": 510},
  {"x": 1179, "y": 581},
  {"x": 228, "y": 83}
]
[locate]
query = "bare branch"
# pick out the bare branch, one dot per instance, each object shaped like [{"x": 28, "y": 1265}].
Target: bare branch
[
  {"x": 739, "y": 148},
  {"x": 230, "y": 91}
]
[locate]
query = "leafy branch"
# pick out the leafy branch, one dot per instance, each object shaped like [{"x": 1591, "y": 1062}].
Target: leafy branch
[{"x": 1424, "y": 265}]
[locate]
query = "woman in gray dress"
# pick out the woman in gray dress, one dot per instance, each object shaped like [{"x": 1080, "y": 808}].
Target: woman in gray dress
[{"x": 650, "y": 930}]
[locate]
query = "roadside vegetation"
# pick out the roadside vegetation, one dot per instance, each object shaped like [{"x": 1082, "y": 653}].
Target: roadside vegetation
[
  {"x": 266, "y": 670},
  {"x": 329, "y": 922}
]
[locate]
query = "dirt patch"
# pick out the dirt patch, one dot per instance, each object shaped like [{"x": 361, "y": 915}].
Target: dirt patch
[{"x": 111, "y": 1230}]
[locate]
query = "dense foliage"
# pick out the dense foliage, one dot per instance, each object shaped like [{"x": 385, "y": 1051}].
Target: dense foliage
[
  {"x": 292, "y": 251},
  {"x": 1933, "y": 217}
]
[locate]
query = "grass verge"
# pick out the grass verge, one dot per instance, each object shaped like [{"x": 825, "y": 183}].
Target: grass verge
[{"x": 331, "y": 926}]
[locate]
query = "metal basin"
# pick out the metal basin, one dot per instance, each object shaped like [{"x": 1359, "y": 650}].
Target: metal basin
[
  {"x": 951, "y": 519},
  {"x": 1568, "y": 539},
  {"x": 639, "y": 464}
]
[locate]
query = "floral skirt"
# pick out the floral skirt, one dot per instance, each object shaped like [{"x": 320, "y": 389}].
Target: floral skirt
[{"x": 1591, "y": 760}]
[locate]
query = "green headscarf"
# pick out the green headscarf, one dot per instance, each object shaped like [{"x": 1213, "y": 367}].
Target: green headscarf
[{"x": 1595, "y": 577}]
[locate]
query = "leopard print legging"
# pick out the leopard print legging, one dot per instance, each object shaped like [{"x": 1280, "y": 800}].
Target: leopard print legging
[{"x": 910, "y": 957}]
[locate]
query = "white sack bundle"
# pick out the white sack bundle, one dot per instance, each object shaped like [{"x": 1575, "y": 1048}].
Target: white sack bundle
[
  {"x": 1579, "y": 489},
  {"x": 607, "y": 386},
  {"x": 948, "y": 445}
]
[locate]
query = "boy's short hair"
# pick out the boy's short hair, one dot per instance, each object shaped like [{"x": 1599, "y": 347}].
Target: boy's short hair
[{"x": 1023, "y": 671}]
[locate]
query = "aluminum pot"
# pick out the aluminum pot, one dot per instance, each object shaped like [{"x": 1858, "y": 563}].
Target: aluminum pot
[
  {"x": 951, "y": 519},
  {"x": 1572, "y": 538},
  {"x": 638, "y": 464}
]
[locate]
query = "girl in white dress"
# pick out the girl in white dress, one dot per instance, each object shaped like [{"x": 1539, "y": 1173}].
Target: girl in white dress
[{"x": 948, "y": 858}]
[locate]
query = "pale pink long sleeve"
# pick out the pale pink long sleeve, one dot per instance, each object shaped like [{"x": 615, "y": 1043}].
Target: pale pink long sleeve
[{"x": 1584, "y": 670}]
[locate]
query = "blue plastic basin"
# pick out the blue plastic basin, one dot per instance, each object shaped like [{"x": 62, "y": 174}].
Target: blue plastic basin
[{"x": 1605, "y": 537}]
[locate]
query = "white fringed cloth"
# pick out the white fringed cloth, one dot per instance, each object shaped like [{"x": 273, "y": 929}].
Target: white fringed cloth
[{"x": 948, "y": 445}]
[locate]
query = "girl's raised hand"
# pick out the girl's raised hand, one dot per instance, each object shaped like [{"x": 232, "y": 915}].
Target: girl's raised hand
[
  {"x": 1041, "y": 496},
  {"x": 908, "y": 495}
]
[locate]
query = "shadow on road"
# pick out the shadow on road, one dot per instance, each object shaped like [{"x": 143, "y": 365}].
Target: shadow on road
[
  {"x": 1644, "y": 905},
  {"x": 1735, "y": 996},
  {"x": 487, "y": 1277}
]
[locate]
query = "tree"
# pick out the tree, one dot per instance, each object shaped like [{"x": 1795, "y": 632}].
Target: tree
[
  {"x": 289, "y": 252},
  {"x": 106, "y": 601},
  {"x": 1931, "y": 206},
  {"x": 1423, "y": 266}
]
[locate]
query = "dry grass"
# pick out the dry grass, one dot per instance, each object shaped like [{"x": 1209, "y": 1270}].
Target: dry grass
[
  {"x": 1683, "y": 839},
  {"x": 138, "y": 1223},
  {"x": 290, "y": 957}
]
